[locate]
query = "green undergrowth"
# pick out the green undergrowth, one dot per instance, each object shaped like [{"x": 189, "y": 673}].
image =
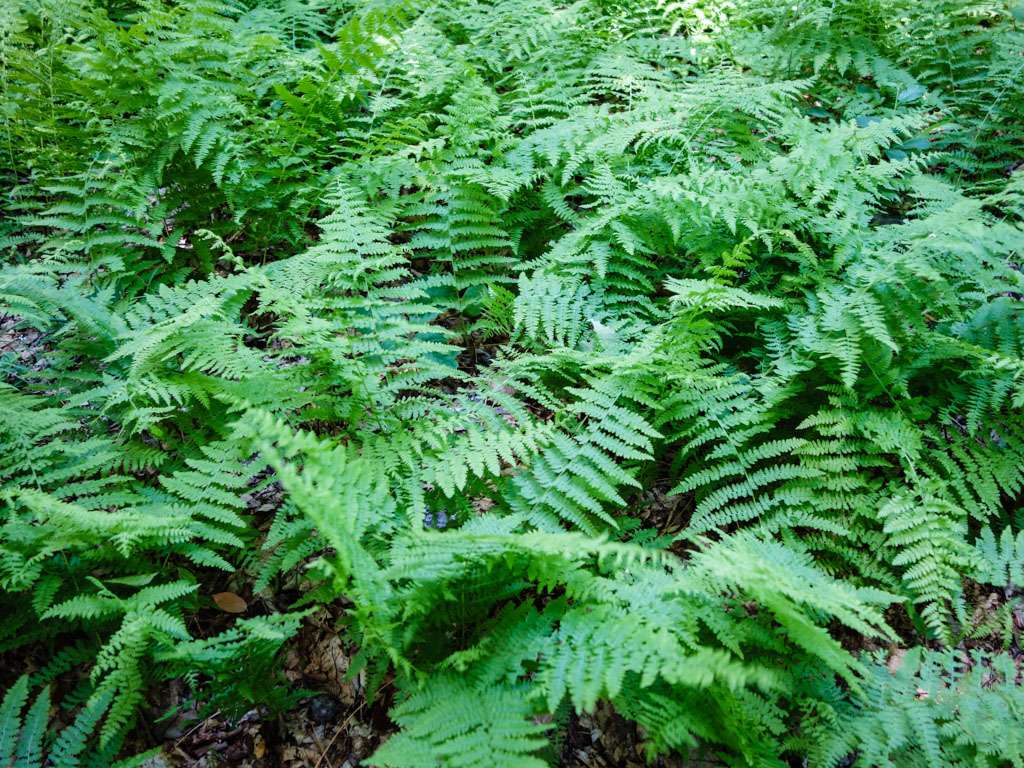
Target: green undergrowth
[{"x": 478, "y": 291}]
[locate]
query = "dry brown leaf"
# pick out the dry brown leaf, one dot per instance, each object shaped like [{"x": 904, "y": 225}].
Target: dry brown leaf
[
  {"x": 482, "y": 504},
  {"x": 230, "y": 602}
]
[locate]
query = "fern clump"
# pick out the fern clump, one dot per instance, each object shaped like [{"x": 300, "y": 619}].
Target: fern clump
[{"x": 660, "y": 356}]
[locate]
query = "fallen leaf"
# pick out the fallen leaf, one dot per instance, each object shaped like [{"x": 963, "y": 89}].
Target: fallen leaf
[
  {"x": 230, "y": 602},
  {"x": 259, "y": 747}
]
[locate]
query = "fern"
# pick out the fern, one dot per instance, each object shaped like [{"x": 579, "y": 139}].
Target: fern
[
  {"x": 10, "y": 718},
  {"x": 577, "y": 475},
  {"x": 453, "y": 724},
  {"x": 932, "y": 711},
  {"x": 1001, "y": 558},
  {"x": 928, "y": 536},
  {"x": 582, "y": 355}
]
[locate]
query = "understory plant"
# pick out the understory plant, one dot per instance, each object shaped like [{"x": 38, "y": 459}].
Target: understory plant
[{"x": 660, "y": 355}]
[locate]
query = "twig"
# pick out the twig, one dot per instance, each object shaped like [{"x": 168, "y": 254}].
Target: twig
[
  {"x": 338, "y": 731},
  {"x": 196, "y": 727}
]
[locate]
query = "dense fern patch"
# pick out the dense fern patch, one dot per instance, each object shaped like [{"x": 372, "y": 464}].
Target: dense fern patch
[{"x": 484, "y": 288}]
